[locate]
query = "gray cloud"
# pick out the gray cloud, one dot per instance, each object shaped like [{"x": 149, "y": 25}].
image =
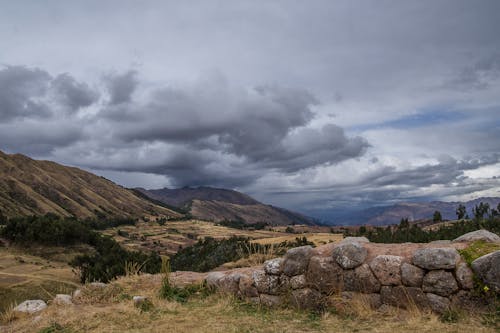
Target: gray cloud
[
  {"x": 121, "y": 86},
  {"x": 73, "y": 94}
]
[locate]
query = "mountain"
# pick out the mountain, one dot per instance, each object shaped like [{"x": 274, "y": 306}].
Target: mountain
[
  {"x": 31, "y": 187},
  {"x": 215, "y": 204},
  {"x": 384, "y": 215}
]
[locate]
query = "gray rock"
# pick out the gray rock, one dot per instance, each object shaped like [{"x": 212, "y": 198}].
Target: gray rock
[
  {"x": 296, "y": 260},
  {"x": 436, "y": 258},
  {"x": 361, "y": 279},
  {"x": 464, "y": 276},
  {"x": 298, "y": 281},
  {"x": 97, "y": 285},
  {"x": 438, "y": 303},
  {"x": 30, "y": 306},
  {"x": 403, "y": 297},
  {"x": 411, "y": 276},
  {"x": 247, "y": 287},
  {"x": 464, "y": 300},
  {"x": 482, "y": 234},
  {"x": 324, "y": 274},
  {"x": 487, "y": 269},
  {"x": 273, "y": 266},
  {"x": 266, "y": 284},
  {"x": 270, "y": 300},
  {"x": 139, "y": 300},
  {"x": 306, "y": 299},
  {"x": 349, "y": 254},
  {"x": 213, "y": 278},
  {"x": 350, "y": 239},
  {"x": 63, "y": 299},
  {"x": 387, "y": 269},
  {"x": 440, "y": 282}
]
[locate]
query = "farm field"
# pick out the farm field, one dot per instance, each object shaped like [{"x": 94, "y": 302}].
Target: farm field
[{"x": 316, "y": 238}]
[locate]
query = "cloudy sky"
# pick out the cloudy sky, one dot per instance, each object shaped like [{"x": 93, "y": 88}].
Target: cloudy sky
[{"x": 303, "y": 104}]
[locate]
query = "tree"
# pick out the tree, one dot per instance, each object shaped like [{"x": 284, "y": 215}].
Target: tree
[
  {"x": 461, "y": 211},
  {"x": 437, "y": 216},
  {"x": 481, "y": 210}
]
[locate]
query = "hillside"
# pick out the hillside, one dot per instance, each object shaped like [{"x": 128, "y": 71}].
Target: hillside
[
  {"x": 216, "y": 204},
  {"x": 30, "y": 187}
]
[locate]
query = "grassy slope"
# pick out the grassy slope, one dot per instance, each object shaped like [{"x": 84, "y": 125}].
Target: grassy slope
[{"x": 30, "y": 187}]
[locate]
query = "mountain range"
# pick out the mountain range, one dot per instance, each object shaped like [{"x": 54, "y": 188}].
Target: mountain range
[
  {"x": 414, "y": 211},
  {"x": 216, "y": 204}
]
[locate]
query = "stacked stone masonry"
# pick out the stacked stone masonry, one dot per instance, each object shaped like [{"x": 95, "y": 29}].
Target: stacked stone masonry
[{"x": 428, "y": 276}]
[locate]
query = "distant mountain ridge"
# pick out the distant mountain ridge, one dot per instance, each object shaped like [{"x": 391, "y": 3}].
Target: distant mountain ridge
[
  {"x": 216, "y": 204},
  {"x": 393, "y": 214},
  {"x": 32, "y": 187}
]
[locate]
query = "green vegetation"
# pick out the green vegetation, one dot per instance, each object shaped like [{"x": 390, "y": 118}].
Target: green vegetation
[
  {"x": 437, "y": 216},
  {"x": 478, "y": 249},
  {"x": 109, "y": 259},
  {"x": 209, "y": 253},
  {"x": 405, "y": 232},
  {"x": 240, "y": 224}
]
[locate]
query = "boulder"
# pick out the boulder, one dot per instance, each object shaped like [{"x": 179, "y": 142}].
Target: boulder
[
  {"x": 324, "y": 274},
  {"x": 298, "y": 281},
  {"x": 213, "y": 278},
  {"x": 62, "y": 299},
  {"x": 464, "y": 276},
  {"x": 350, "y": 239},
  {"x": 306, "y": 299},
  {"x": 296, "y": 260},
  {"x": 349, "y": 254},
  {"x": 436, "y": 258},
  {"x": 411, "y": 276},
  {"x": 230, "y": 283},
  {"x": 361, "y": 279},
  {"x": 30, "y": 306},
  {"x": 140, "y": 301},
  {"x": 266, "y": 284},
  {"x": 247, "y": 287},
  {"x": 487, "y": 269},
  {"x": 440, "y": 282},
  {"x": 273, "y": 266},
  {"x": 438, "y": 304},
  {"x": 482, "y": 234},
  {"x": 387, "y": 269},
  {"x": 403, "y": 297}
]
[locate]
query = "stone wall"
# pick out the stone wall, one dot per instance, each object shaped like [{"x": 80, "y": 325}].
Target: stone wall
[{"x": 429, "y": 276}]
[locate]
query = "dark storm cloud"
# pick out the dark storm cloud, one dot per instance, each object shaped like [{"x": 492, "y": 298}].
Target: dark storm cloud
[
  {"x": 73, "y": 94},
  {"x": 34, "y": 93},
  {"x": 121, "y": 86},
  {"x": 20, "y": 89}
]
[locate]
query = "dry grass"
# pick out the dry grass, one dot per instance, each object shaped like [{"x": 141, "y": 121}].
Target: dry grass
[
  {"x": 222, "y": 313},
  {"x": 317, "y": 238}
]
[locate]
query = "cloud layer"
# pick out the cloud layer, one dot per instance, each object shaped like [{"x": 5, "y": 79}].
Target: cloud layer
[{"x": 306, "y": 106}]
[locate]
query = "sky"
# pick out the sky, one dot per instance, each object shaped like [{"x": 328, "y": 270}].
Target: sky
[{"x": 308, "y": 105}]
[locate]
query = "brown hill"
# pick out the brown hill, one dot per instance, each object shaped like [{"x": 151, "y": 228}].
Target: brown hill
[
  {"x": 30, "y": 187},
  {"x": 215, "y": 204}
]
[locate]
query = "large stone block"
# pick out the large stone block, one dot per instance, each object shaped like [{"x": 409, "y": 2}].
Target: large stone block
[
  {"x": 488, "y": 269},
  {"x": 296, "y": 260},
  {"x": 324, "y": 275},
  {"x": 403, "y": 297},
  {"x": 440, "y": 282},
  {"x": 411, "y": 276},
  {"x": 349, "y": 254},
  {"x": 464, "y": 276},
  {"x": 361, "y": 279},
  {"x": 438, "y": 304},
  {"x": 306, "y": 299},
  {"x": 387, "y": 269},
  {"x": 482, "y": 234},
  {"x": 273, "y": 266},
  {"x": 436, "y": 258}
]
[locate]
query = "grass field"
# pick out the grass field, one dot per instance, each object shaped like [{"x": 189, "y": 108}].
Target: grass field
[
  {"x": 223, "y": 313},
  {"x": 316, "y": 238},
  {"x": 24, "y": 276}
]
